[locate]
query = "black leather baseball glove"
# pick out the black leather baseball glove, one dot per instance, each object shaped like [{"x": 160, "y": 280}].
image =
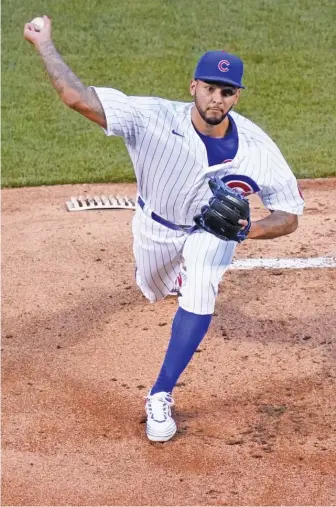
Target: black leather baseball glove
[{"x": 224, "y": 211}]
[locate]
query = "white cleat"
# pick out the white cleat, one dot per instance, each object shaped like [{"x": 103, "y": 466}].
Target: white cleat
[{"x": 160, "y": 425}]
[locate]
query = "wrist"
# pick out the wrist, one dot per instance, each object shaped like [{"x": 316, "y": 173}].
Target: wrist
[
  {"x": 254, "y": 231},
  {"x": 44, "y": 46}
]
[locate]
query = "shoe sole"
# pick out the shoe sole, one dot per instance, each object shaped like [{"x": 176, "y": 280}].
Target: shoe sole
[{"x": 159, "y": 437}]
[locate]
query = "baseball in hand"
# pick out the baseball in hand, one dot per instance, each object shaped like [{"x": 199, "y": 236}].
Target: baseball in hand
[{"x": 39, "y": 23}]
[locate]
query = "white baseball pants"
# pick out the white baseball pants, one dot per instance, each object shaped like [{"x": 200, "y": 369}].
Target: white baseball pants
[{"x": 159, "y": 253}]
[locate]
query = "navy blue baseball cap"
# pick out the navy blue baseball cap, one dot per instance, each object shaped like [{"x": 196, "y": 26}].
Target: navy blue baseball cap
[{"x": 221, "y": 67}]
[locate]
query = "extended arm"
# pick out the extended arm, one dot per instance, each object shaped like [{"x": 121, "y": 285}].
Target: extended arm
[
  {"x": 278, "y": 223},
  {"x": 68, "y": 86}
]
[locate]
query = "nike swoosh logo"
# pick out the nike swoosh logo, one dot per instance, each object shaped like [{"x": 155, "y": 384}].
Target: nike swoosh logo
[{"x": 176, "y": 133}]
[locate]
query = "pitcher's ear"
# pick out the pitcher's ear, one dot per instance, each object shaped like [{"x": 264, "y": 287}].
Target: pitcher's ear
[
  {"x": 237, "y": 96},
  {"x": 192, "y": 87}
]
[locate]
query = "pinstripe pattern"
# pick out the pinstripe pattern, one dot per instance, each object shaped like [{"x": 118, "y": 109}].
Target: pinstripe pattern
[
  {"x": 159, "y": 253},
  {"x": 206, "y": 258},
  {"x": 172, "y": 172}
]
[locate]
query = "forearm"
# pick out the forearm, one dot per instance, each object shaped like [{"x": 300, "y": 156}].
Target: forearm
[
  {"x": 67, "y": 84},
  {"x": 278, "y": 223}
]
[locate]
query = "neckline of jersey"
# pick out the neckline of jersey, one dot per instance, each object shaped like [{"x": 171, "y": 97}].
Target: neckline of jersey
[{"x": 231, "y": 131}]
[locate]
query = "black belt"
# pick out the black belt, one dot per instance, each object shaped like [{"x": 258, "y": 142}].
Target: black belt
[{"x": 166, "y": 223}]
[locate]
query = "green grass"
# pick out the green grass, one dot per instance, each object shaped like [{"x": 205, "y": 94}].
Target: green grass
[{"x": 151, "y": 48}]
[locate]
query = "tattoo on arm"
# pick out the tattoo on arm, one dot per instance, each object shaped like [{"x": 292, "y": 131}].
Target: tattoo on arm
[{"x": 67, "y": 84}]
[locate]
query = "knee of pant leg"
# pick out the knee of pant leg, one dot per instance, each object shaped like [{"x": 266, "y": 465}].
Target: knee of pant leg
[
  {"x": 149, "y": 294},
  {"x": 147, "y": 290},
  {"x": 204, "y": 305},
  {"x": 199, "y": 292}
]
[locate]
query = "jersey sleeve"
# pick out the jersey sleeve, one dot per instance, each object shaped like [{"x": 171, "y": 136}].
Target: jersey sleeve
[
  {"x": 123, "y": 114},
  {"x": 281, "y": 191}
]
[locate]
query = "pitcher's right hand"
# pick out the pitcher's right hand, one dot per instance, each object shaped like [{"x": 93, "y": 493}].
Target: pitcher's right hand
[{"x": 37, "y": 37}]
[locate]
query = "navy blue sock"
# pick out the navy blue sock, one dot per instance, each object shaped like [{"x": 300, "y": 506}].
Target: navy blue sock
[{"x": 188, "y": 330}]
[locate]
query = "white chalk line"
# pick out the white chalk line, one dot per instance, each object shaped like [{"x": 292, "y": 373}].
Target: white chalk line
[{"x": 292, "y": 263}]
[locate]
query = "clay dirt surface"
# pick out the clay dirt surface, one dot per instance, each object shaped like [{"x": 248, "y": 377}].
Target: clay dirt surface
[{"x": 81, "y": 346}]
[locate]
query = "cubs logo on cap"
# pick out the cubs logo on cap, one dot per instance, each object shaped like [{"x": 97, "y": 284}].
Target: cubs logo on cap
[
  {"x": 224, "y": 66},
  {"x": 221, "y": 67}
]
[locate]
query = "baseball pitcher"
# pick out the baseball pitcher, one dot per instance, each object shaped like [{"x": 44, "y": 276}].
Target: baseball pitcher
[{"x": 195, "y": 163}]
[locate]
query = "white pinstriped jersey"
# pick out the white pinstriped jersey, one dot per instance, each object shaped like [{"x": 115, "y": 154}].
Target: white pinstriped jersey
[{"x": 170, "y": 160}]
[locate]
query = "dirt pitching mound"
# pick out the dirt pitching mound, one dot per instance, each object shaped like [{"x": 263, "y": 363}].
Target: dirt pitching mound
[{"x": 81, "y": 346}]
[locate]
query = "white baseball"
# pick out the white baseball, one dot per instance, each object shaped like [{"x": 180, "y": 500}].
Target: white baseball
[{"x": 39, "y": 23}]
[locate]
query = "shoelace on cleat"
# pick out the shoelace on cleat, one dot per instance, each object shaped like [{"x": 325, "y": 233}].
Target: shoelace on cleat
[{"x": 158, "y": 405}]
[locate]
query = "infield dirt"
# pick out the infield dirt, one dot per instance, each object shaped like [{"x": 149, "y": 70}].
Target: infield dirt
[{"x": 81, "y": 346}]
